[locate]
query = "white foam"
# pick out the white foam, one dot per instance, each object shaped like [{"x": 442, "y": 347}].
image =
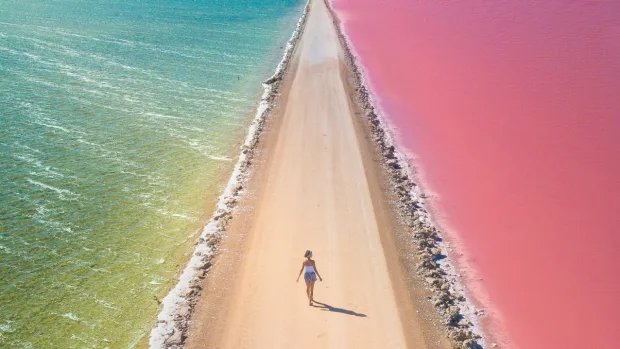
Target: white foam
[
  {"x": 219, "y": 158},
  {"x": 162, "y": 116},
  {"x": 6, "y": 327},
  {"x": 59, "y": 191},
  {"x": 177, "y": 298},
  {"x": 71, "y": 316}
]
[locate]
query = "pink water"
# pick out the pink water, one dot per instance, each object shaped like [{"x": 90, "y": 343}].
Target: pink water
[{"x": 513, "y": 111}]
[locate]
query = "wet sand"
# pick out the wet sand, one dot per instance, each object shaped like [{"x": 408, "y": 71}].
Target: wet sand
[{"x": 316, "y": 185}]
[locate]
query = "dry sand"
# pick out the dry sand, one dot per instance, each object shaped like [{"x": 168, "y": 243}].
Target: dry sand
[{"x": 313, "y": 189}]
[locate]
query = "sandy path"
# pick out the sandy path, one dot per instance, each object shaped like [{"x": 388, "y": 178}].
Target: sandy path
[
  {"x": 313, "y": 194},
  {"x": 316, "y": 197}
]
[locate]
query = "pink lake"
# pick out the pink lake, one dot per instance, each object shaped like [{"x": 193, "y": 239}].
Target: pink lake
[{"x": 512, "y": 109}]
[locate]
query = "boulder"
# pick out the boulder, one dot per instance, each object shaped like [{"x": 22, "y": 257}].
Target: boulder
[
  {"x": 184, "y": 311},
  {"x": 176, "y": 338}
]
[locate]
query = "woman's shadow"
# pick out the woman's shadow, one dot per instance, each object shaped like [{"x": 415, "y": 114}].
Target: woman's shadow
[{"x": 327, "y": 307}]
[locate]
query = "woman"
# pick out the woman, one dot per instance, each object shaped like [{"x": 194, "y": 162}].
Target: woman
[{"x": 311, "y": 272}]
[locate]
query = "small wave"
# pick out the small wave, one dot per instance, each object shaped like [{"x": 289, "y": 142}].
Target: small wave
[
  {"x": 50, "y": 123},
  {"x": 47, "y": 171},
  {"x": 107, "y": 154},
  {"x": 95, "y": 92},
  {"x": 106, "y": 304},
  {"x": 162, "y": 116},
  {"x": 176, "y": 215},
  {"x": 220, "y": 53},
  {"x": 153, "y": 179},
  {"x": 25, "y": 146},
  {"x": 52, "y": 46},
  {"x": 21, "y": 53},
  {"x": 6, "y": 327},
  {"x": 101, "y": 270},
  {"x": 83, "y": 141},
  {"x": 63, "y": 32},
  {"x": 42, "y": 210},
  {"x": 71, "y": 316},
  {"x": 61, "y": 192},
  {"x": 41, "y": 82},
  {"x": 87, "y": 79},
  {"x": 221, "y": 72},
  {"x": 219, "y": 158},
  {"x": 193, "y": 128},
  {"x": 46, "y": 29}
]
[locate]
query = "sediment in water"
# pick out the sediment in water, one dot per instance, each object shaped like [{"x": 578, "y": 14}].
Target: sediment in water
[
  {"x": 432, "y": 262},
  {"x": 170, "y": 331}
]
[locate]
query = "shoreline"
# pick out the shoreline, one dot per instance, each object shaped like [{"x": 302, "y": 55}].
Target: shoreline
[
  {"x": 170, "y": 331},
  {"x": 434, "y": 262}
]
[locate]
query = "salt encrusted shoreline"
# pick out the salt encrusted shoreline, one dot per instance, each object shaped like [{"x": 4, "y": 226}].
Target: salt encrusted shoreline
[
  {"x": 432, "y": 263},
  {"x": 177, "y": 307}
]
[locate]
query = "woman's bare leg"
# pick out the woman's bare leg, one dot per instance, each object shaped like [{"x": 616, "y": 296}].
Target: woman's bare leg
[
  {"x": 311, "y": 292},
  {"x": 308, "y": 292}
]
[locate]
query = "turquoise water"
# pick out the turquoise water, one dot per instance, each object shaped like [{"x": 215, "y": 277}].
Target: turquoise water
[{"x": 118, "y": 123}]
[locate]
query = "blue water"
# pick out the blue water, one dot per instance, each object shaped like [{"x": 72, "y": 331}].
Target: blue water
[{"x": 119, "y": 121}]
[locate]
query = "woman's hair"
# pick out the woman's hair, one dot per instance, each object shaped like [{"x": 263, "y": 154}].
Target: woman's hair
[{"x": 308, "y": 254}]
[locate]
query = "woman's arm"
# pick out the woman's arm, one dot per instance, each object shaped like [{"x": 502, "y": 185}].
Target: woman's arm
[
  {"x": 316, "y": 270},
  {"x": 301, "y": 270}
]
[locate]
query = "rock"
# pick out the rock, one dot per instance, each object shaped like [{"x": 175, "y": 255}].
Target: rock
[
  {"x": 175, "y": 339},
  {"x": 220, "y": 214},
  {"x": 469, "y": 343},
  {"x": 206, "y": 266},
  {"x": 271, "y": 80},
  {"x": 183, "y": 311},
  {"x": 189, "y": 293},
  {"x": 213, "y": 240},
  {"x": 445, "y": 296},
  {"x": 393, "y": 163},
  {"x": 195, "y": 284},
  {"x": 459, "y": 335},
  {"x": 237, "y": 187},
  {"x": 458, "y": 296}
]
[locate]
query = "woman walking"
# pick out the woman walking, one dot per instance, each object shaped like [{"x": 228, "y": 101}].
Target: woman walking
[{"x": 310, "y": 274}]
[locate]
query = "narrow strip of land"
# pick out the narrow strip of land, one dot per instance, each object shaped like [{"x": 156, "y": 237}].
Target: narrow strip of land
[{"x": 314, "y": 194}]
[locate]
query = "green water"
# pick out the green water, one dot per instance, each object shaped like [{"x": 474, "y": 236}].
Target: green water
[{"x": 118, "y": 123}]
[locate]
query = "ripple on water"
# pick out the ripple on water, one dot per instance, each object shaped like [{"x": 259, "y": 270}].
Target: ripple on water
[{"x": 113, "y": 131}]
